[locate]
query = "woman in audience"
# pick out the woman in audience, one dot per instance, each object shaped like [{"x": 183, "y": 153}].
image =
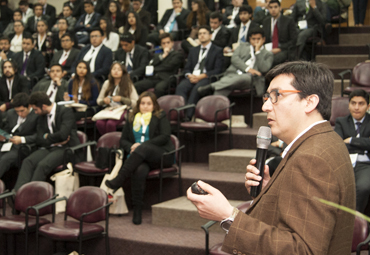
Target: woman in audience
[
  {"x": 84, "y": 90},
  {"x": 135, "y": 27},
  {"x": 117, "y": 90},
  {"x": 115, "y": 15},
  {"x": 110, "y": 38},
  {"x": 16, "y": 38},
  {"x": 145, "y": 137},
  {"x": 43, "y": 41}
]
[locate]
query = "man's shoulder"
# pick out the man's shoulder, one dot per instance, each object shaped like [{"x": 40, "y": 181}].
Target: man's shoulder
[
  {"x": 215, "y": 48},
  {"x": 140, "y": 48}
]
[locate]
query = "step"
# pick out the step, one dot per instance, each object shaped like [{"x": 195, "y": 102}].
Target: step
[
  {"x": 259, "y": 119},
  {"x": 354, "y": 39},
  {"x": 337, "y": 86},
  {"x": 341, "y": 61},
  {"x": 230, "y": 160},
  {"x": 342, "y": 50},
  {"x": 180, "y": 213}
]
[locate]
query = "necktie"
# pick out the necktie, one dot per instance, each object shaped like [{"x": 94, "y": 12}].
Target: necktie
[
  {"x": 65, "y": 61},
  {"x": 52, "y": 91},
  {"x": 37, "y": 20},
  {"x": 129, "y": 67},
  {"x": 275, "y": 37},
  {"x": 172, "y": 25},
  {"x": 243, "y": 38},
  {"x": 202, "y": 63},
  {"x": 24, "y": 64},
  {"x": 358, "y": 125}
]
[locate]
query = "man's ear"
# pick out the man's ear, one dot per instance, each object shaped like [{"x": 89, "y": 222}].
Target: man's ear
[{"x": 311, "y": 103}]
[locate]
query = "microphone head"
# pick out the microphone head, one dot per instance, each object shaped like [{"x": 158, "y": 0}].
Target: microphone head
[{"x": 263, "y": 137}]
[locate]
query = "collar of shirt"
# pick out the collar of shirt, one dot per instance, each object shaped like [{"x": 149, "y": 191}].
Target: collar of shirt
[
  {"x": 44, "y": 8},
  {"x": 10, "y": 85},
  {"x": 204, "y": 55},
  {"x": 354, "y": 120},
  {"x": 302, "y": 133},
  {"x": 214, "y": 33}
]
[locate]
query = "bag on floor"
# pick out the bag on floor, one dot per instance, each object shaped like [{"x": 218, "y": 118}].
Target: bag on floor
[
  {"x": 111, "y": 112},
  {"x": 119, "y": 204},
  {"x": 66, "y": 182}
]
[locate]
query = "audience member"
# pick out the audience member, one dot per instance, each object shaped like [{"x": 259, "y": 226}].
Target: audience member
[
  {"x": 66, "y": 56},
  {"x": 30, "y": 61},
  {"x": 281, "y": 32},
  {"x": 9, "y": 30},
  {"x": 115, "y": 15},
  {"x": 17, "y": 36},
  {"x": 97, "y": 55},
  {"x": 126, "y": 6},
  {"x": 49, "y": 10},
  {"x": 5, "y": 53},
  {"x": 99, "y": 6},
  {"x": 43, "y": 41},
  {"x": 172, "y": 21},
  {"x": 355, "y": 132},
  {"x": 143, "y": 14},
  {"x": 86, "y": 22},
  {"x": 62, "y": 29},
  {"x": 306, "y": 16},
  {"x": 70, "y": 20},
  {"x": 26, "y": 11},
  {"x": 117, "y": 90},
  {"x": 248, "y": 64},
  {"x": 135, "y": 27},
  {"x": 231, "y": 16},
  {"x": 110, "y": 38},
  {"x": 31, "y": 25},
  {"x": 164, "y": 65},
  {"x": 133, "y": 56},
  {"x": 359, "y": 12},
  {"x": 55, "y": 87},
  {"x": 220, "y": 34},
  {"x": 56, "y": 130},
  {"x": 77, "y": 7},
  {"x": 145, "y": 137},
  {"x": 203, "y": 61},
  {"x": 152, "y": 7},
  {"x": 11, "y": 83},
  {"x": 21, "y": 123},
  {"x": 6, "y": 15},
  {"x": 83, "y": 89},
  {"x": 261, "y": 14}
]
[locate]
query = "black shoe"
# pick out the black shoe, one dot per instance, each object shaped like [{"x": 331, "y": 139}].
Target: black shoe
[
  {"x": 137, "y": 215},
  {"x": 205, "y": 90},
  {"x": 111, "y": 184}
]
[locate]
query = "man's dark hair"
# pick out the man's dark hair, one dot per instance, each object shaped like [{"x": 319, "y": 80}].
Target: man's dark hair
[
  {"x": 89, "y": 2},
  {"x": 127, "y": 37},
  {"x": 18, "y": 10},
  {"x": 39, "y": 98},
  {"x": 97, "y": 29},
  {"x": 208, "y": 28},
  {"x": 20, "y": 99},
  {"x": 165, "y": 35},
  {"x": 310, "y": 78},
  {"x": 56, "y": 64},
  {"x": 66, "y": 4},
  {"x": 359, "y": 93},
  {"x": 28, "y": 36},
  {"x": 24, "y": 3},
  {"x": 246, "y": 8},
  {"x": 65, "y": 20},
  {"x": 19, "y": 21},
  {"x": 5, "y": 38},
  {"x": 141, "y": 1},
  {"x": 37, "y": 4},
  {"x": 274, "y": 2},
  {"x": 216, "y": 15},
  {"x": 67, "y": 35},
  {"x": 14, "y": 65},
  {"x": 256, "y": 31}
]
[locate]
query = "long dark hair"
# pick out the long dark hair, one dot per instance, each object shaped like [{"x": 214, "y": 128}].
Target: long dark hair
[
  {"x": 125, "y": 85},
  {"x": 200, "y": 14},
  {"x": 109, "y": 27},
  {"x": 156, "y": 108},
  {"x": 139, "y": 25},
  {"x": 86, "y": 86}
]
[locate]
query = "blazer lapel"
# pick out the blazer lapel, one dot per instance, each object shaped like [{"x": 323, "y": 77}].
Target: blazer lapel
[{"x": 352, "y": 127}]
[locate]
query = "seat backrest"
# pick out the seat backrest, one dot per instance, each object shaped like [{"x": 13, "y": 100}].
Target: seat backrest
[
  {"x": 339, "y": 108},
  {"x": 109, "y": 140},
  {"x": 33, "y": 193},
  {"x": 169, "y": 102},
  {"x": 360, "y": 233},
  {"x": 87, "y": 199},
  {"x": 82, "y": 137},
  {"x": 176, "y": 143},
  {"x": 361, "y": 75},
  {"x": 207, "y": 107}
]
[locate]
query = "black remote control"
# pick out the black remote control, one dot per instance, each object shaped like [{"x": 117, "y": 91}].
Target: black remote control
[{"x": 197, "y": 190}]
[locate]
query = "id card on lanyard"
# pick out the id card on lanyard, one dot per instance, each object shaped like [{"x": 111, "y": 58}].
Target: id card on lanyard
[{"x": 143, "y": 129}]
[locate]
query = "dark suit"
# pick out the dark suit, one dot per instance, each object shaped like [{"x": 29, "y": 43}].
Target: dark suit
[
  {"x": 6, "y": 16},
  {"x": 140, "y": 60},
  {"x": 229, "y": 12},
  {"x": 287, "y": 34},
  {"x": 213, "y": 64},
  {"x": 261, "y": 16},
  {"x": 144, "y": 18},
  {"x": 235, "y": 33},
  {"x": 70, "y": 60},
  {"x": 31, "y": 23},
  {"x": 51, "y": 12},
  {"x": 35, "y": 66},
  {"x": 222, "y": 38},
  {"x": 44, "y": 84},
  {"x": 103, "y": 61},
  {"x": 99, "y": 6},
  {"x": 20, "y": 84},
  {"x": 42, "y": 162},
  {"x": 27, "y": 130},
  {"x": 82, "y": 31},
  {"x": 163, "y": 69},
  {"x": 58, "y": 45},
  {"x": 78, "y": 8},
  {"x": 286, "y": 218},
  {"x": 345, "y": 127}
]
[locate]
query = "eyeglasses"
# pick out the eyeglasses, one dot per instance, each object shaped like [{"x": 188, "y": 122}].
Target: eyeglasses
[
  {"x": 95, "y": 36},
  {"x": 275, "y": 93},
  {"x": 65, "y": 40}
]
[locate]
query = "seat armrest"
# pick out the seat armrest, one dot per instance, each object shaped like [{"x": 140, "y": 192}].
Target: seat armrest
[
  {"x": 97, "y": 209},
  {"x": 341, "y": 75},
  {"x": 366, "y": 242},
  {"x": 215, "y": 77},
  {"x": 206, "y": 227},
  {"x": 223, "y": 109}
]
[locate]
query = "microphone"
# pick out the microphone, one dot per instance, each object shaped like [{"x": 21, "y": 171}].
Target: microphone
[{"x": 263, "y": 142}]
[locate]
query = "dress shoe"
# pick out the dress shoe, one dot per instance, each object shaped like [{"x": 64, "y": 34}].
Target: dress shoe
[
  {"x": 137, "y": 215},
  {"x": 205, "y": 90}
]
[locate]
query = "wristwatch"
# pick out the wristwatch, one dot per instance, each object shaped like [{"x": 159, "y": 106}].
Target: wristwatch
[{"x": 226, "y": 223}]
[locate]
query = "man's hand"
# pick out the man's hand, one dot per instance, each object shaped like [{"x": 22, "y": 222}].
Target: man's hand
[
  {"x": 3, "y": 107},
  {"x": 88, "y": 25},
  {"x": 276, "y": 50},
  {"x": 259, "y": 44},
  {"x": 213, "y": 206},
  {"x": 62, "y": 143},
  {"x": 312, "y": 3},
  {"x": 166, "y": 51},
  {"x": 347, "y": 140},
  {"x": 254, "y": 72},
  {"x": 66, "y": 96},
  {"x": 134, "y": 146},
  {"x": 253, "y": 179},
  {"x": 57, "y": 80},
  {"x": 2, "y": 138},
  {"x": 178, "y": 10},
  {"x": 16, "y": 140},
  {"x": 3, "y": 55},
  {"x": 230, "y": 17},
  {"x": 116, "y": 98},
  {"x": 227, "y": 49},
  {"x": 275, "y": 144}
]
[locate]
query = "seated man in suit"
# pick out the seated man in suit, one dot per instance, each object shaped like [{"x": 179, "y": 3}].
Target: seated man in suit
[
  {"x": 48, "y": 10},
  {"x": 55, "y": 87},
  {"x": 248, "y": 63},
  {"x": 240, "y": 32},
  {"x": 31, "y": 62},
  {"x": 231, "y": 15},
  {"x": 355, "y": 132},
  {"x": 66, "y": 14},
  {"x": 77, "y": 7},
  {"x": 26, "y": 11},
  {"x": 67, "y": 56},
  {"x": 97, "y": 54},
  {"x": 86, "y": 22},
  {"x": 307, "y": 15},
  {"x": 133, "y": 56},
  {"x": 11, "y": 83},
  {"x": 56, "y": 130},
  {"x": 99, "y": 6},
  {"x": 5, "y": 53},
  {"x": 21, "y": 123},
  {"x": 172, "y": 21},
  {"x": 164, "y": 65},
  {"x": 143, "y": 14},
  {"x": 203, "y": 61},
  {"x": 280, "y": 31},
  {"x": 220, "y": 34},
  {"x": 261, "y": 13},
  {"x": 31, "y": 25}
]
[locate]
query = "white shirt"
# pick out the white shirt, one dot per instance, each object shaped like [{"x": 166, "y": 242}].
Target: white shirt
[
  {"x": 241, "y": 33},
  {"x": 214, "y": 33},
  {"x": 10, "y": 86},
  {"x": 53, "y": 89},
  {"x": 16, "y": 43},
  {"x": 90, "y": 56},
  {"x": 169, "y": 22},
  {"x": 202, "y": 56},
  {"x": 233, "y": 16},
  {"x": 360, "y": 158},
  {"x": 88, "y": 18},
  {"x": 113, "y": 41},
  {"x": 26, "y": 15},
  {"x": 40, "y": 41},
  {"x": 128, "y": 60}
]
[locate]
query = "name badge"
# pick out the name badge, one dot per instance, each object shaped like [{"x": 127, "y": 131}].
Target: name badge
[
  {"x": 149, "y": 70},
  {"x": 6, "y": 147},
  {"x": 302, "y": 24},
  {"x": 196, "y": 72}
]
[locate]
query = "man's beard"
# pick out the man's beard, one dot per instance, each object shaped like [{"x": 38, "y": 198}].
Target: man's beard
[{"x": 8, "y": 76}]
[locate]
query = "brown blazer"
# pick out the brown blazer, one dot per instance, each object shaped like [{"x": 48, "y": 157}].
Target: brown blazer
[{"x": 285, "y": 218}]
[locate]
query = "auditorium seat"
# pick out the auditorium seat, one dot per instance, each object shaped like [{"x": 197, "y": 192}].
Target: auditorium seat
[
  {"x": 359, "y": 78},
  {"x": 339, "y": 108},
  {"x": 169, "y": 104}
]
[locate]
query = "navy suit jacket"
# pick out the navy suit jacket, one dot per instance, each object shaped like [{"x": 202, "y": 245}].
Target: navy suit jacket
[
  {"x": 214, "y": 60},
  {"x": 181, "y": 19},
  {"x": 140, "y": 60},
  {"x": 80, "y": 24}
]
